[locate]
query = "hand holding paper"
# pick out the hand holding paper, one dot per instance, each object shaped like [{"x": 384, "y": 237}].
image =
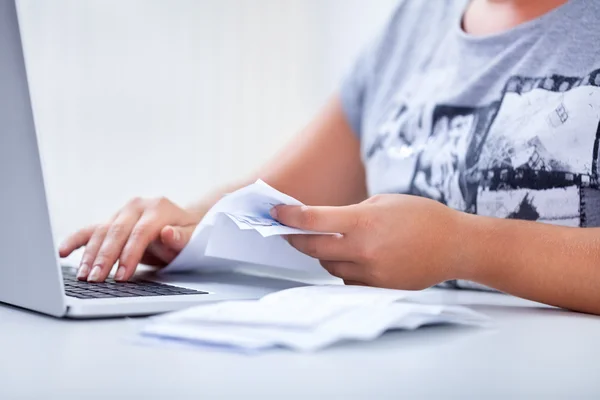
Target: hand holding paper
[
  {"x": 390, "y": 240},
  {"x": 239, "y": 228}
]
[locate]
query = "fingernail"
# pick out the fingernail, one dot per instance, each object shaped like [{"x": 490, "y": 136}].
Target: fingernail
[
  {"x": 176, "y": 235},
  {"x": 83, "y": 271},
  {"x": 273, "y": 212},
  {"x": 95, "y": 274},
  {"x": 120, "y": 275}
]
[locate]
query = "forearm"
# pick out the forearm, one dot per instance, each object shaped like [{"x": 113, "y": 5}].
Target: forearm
[
  {"x": 541, "y": 262},
  {"x": 201, "y": 207},
  {"x": 321, "y": 166}
]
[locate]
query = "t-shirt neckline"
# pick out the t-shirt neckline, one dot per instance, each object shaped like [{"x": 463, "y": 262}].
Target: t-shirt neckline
[{"x": 509, "y": 34}]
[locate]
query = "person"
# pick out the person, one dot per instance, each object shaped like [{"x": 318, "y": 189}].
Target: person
[{"x": 461, "y": 149}]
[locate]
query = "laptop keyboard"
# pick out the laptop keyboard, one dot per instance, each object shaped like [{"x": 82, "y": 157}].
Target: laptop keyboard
[{"x": 112, "y": 289}]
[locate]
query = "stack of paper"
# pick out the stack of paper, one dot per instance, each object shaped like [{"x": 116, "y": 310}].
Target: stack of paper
[
  {"x": 239, "y": 228},
  {"x": 304, "y": 319}
]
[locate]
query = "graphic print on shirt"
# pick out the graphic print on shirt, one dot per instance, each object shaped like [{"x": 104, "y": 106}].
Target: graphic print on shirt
[{"x": 531, "y": 155}]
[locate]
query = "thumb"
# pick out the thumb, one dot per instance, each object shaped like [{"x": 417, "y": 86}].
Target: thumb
[
  {"x": 176, "y": 237},
  {"x": 318, "y": 219}
]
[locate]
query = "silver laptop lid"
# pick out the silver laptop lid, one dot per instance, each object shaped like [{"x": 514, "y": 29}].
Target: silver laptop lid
[{"x": 29, "y": 271}]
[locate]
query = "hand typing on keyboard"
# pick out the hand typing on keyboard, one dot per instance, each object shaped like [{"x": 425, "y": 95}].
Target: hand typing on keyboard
[
  {"x": 104, "y": 290},
  {"x": 145, "y": 231}
]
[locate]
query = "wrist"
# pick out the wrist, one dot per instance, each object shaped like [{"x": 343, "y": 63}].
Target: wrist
[
  {"x": 472, "y": 246},
  {"x": 199, "y": 209},
  {"x": 485, "y": 243}
]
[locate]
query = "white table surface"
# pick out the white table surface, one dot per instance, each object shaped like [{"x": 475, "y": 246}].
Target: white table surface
[{"x": 531, "y": 352}]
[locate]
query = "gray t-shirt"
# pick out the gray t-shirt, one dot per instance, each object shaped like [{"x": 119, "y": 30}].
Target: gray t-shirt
[{"x": 506, "y": 125}]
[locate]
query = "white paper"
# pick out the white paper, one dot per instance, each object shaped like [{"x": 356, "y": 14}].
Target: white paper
[
  {"x": 304, "y": 306},
  {"x": 249, "y": 246},
  {"x": 306, "y": 318},
  {"x": 240, "y": 229},
  {"x": 192, "y": 256},
  {"x": 266, "y": 226}
]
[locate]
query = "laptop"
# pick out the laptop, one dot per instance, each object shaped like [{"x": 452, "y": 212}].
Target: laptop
[{"x": 31, "y": 276}]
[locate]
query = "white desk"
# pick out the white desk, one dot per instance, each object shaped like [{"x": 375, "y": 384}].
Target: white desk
[{"x": 531, "y": 352}]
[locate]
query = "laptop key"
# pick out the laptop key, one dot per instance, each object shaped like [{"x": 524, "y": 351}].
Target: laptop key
[
  {"x": 101, "y": 296},
  {"x": 79, "y": 295},
  {"x": 123, "y": 294},
  {"x": 111, "y": 289},
  {"x": 140, "y": 292}
]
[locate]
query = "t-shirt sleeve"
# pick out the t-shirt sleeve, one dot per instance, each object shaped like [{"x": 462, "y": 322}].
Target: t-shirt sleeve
[
  {"x": 353, "y": 90},
  {"x": 362, "y": 76}
]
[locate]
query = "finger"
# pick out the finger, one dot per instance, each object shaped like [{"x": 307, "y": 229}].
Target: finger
[
  {"x": 161, "y": 252},
  {"x": 176, "y": 237},
  {"x": 317, "y": 219},
  {"x": 76, "y": 240},
  {"x": 323, "y": 247},
  {"x": 172, "y": 241},
  {"x": 345, "y": 270},
  {"x": 146, "y": 230},
  {"x": 354, "y": 283},
  {"x": 113, "y": 243},
  {"x": 91, "y": 250},
  {"x": 149, "y": 258}
]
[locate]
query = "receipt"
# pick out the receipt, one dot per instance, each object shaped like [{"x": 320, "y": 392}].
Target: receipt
[
  {"x": 239, "y": 229},
  {"x": 306, "y": 318},
  {"x": 303, "y": 307}
]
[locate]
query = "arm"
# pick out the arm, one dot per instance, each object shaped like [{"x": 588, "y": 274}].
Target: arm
[
  {"x": 321, "y": 165},
  {"x": 408, "y": 242},
  {"x": 550, "y": 264}
]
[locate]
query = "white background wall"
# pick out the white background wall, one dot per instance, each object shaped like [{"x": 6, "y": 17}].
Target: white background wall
[{"x": 156, "y": 97}]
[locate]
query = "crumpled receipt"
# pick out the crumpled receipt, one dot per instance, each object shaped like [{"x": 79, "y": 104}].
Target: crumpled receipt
[
  {"x": 239, "y": 228},
  {"x": 304, "y": 319}
]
